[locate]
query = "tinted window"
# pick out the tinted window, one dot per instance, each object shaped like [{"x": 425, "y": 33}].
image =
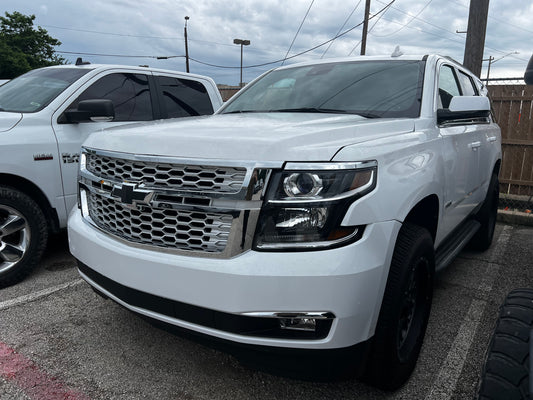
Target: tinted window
[
  {"x": 34, "y": 90},
  {"x": 183, "y": 97},
  {"x": 369, "y": 88},
  {"x": 129, "y": 92},
  {"x": 467, "y": 85},
  {"x": 448, "y": 86}
]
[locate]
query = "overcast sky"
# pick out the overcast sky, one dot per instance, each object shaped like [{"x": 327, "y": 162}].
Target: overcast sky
[{"x": 120, "y": 29}]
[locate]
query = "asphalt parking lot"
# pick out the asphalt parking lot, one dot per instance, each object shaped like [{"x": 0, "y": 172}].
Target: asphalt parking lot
[{"x": 59, "y": 340}]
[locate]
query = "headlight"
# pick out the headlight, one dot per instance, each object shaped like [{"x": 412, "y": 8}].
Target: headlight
[{"x": 306, "y": 203}]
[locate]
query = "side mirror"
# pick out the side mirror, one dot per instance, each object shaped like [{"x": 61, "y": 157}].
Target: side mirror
[
  {"x": 464, "y": 108},
  {"x": 528, "y": 75},
  {"x": 97, "y": 110}
]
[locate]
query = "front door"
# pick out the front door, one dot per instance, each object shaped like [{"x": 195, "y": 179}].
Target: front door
[{"x": 130, "y": 93}]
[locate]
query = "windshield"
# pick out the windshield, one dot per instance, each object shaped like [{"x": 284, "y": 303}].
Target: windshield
[
  {"x": 34, "y": 90},
  {"x": 373, "y": 89}
]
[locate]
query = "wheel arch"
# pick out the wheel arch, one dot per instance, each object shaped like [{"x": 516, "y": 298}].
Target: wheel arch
[
  {"x": 497, "y": 166},
  {"x": 32, "y": 190},
  {"x": 425, "y": 213}
]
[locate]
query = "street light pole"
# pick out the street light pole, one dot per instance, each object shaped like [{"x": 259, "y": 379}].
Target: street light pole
[
  {"x": 242, "y": 42},
  {"x": 186, "y": 46}
]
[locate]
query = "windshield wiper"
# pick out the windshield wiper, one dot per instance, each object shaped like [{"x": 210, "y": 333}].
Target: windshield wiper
[
  {"x": 327, "y": 111},
  {"x": 243, "y": 111},
  {"x": 310, "y": 110}
]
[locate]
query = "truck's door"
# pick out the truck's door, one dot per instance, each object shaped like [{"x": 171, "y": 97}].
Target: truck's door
[
  {"x": 462, "y": 142},
  {"x": 131, "y": 96}
]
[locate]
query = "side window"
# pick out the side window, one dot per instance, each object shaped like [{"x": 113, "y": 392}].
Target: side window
[
  {"x": 448, "y": 86},
  {"x": 183, "y": 97},
  {"x": 129, "y": 92},
  {"x": 467, "y": 85}
]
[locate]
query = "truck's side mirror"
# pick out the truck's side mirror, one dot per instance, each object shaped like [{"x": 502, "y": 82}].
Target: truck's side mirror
[
  {"x": 464, "y": 108},
  {"x": 528, "y": 75},
  {"x": 97, "y": 110}
]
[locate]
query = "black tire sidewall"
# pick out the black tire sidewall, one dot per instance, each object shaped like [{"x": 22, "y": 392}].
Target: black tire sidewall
[
  {"x": 386, "y": 368},
  {"x": 487, "y": 216},
  {"x": 36, "y": 221}
]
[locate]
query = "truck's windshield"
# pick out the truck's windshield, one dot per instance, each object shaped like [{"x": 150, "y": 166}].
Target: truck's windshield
[
  {"x": 34, "y": 90},
  {"x": 373, "y": 89}
]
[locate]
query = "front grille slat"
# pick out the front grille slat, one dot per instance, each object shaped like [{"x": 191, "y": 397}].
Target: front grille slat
[
  {"x": 167, "y": 228},
  {"x": 195, "y": 178}
]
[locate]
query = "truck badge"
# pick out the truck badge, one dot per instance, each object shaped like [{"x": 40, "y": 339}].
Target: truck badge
[
  {"x": 130, "y": 195},
  {"x": 42, "y": 157}
]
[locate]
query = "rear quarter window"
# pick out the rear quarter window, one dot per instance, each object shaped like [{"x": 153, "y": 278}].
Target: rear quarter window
[{"x": 183, "y": 97}]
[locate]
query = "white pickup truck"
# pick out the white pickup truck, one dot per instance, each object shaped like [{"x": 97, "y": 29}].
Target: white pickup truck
[
  {"x": 45, "y": 115},
  {"x": 310, "y": 213}
]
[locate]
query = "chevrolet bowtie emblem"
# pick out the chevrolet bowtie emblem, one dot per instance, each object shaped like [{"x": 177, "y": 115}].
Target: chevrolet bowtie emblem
[{"x": 129, "y": 194}]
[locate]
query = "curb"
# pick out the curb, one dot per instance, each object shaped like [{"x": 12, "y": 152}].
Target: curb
[{"x": 515, "y": 217}]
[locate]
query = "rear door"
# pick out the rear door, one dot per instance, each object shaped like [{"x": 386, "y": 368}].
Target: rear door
[
  {"x": 182, "y": 97},
  {"x": 488, "y": 135}
]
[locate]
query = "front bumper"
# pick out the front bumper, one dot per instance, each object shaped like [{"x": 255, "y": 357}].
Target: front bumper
[{"x": 347, "y": 282}]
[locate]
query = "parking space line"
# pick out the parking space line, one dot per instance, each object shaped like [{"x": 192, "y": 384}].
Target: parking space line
[
  {"x": 36, "y": 384},
  {"x": 450, "y": 372},
  {"x": 27, "y": 298}
]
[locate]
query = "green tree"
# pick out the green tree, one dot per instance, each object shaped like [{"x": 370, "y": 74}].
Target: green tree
[{"x": 23, "y": 48}]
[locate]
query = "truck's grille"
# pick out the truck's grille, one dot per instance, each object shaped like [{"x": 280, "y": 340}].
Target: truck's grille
[
  {"x": 195, "y": 178},
  {"x": 176, "y": 229}
]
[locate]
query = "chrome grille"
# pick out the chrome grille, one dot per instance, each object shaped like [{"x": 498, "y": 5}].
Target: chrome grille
[
  {"x": 169, "y": 228},
  {"x": 196, "y": 178}
]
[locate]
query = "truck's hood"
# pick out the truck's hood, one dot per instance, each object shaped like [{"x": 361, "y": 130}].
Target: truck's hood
[
  {"x": 258, "y": 137},
  {"x": 8, "y": 120}
]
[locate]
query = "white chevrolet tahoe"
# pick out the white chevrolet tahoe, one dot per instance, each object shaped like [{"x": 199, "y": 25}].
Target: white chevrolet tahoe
[
  {"x": 45, "y": 115},
  {"x": 311, "y": 212}
]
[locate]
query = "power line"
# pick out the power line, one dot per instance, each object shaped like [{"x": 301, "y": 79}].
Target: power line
[
  {"x": 419, "y": 19},
  {"x": 370, "y": 30},
  {"x": 442, "y": 29},
  {"x": 411, "y": 20},
  {"x": 499, "y": 20},
  {"x": 302, "y": 52},
  {"x": 135, "y": 36},
  {"x": 342, "y": 27},
  {"x": 110, "y": 33},
  {"x": 116, "y": 55},
  {"x": 298, "y": 31}
]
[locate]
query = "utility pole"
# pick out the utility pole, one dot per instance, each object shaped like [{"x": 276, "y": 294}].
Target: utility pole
[
  {"x": 475, "y": 37},
  {"x": 490, "y": 60},
  {"x": 186, "y": 46},
  {"x": 365, "y": 27}
]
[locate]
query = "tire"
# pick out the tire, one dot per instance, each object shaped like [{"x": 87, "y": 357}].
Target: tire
[
  {"x": 23, "y": 235},
  {"x": 486, "y": 216},
  {"x": 404, "y": 311},
  {"x": 505, "y": 374}
]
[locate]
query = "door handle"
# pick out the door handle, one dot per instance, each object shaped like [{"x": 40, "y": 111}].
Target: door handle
[
  {"x": 474, "y": 145},
  {"x": 491, "y": 139}
]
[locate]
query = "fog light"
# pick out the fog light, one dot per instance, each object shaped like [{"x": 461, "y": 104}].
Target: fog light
[{"x": 298, "y": 324}]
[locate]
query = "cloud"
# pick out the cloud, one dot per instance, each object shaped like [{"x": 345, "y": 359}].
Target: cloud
[{"x": 126, "y": 27}]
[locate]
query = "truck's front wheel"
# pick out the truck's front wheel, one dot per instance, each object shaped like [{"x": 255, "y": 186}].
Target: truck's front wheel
[
  {"x": 404, "y": 311},
  {"x": 23, "y": 235}
]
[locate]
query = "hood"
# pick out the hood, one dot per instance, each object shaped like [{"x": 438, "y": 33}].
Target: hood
[
  {"x": 257, "y": 137},
  {"x": 8, "y": 120}
]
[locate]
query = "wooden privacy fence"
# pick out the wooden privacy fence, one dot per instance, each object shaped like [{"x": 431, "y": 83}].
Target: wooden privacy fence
[{"x": 512, "y": 106}]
